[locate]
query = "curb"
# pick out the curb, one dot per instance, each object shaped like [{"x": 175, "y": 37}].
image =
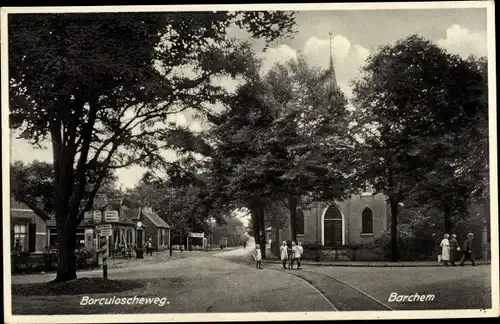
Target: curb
[{"x": 374, "y": 265}]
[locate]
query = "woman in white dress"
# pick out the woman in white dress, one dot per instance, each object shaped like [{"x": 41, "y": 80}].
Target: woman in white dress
[
  {"x": 445, "y": 249},
  {"x": 284, "y": 253}
]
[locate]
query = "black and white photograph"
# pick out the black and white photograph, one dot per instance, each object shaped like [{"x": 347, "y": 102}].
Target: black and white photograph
[{"x": 249, "y": 162}]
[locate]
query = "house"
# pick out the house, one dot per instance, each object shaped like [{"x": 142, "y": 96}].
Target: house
[
  {"x": 28, "y": 229},
  {"x": 121, "y": 220},
  {"x": 155, "y": 227},
  {"x": 85, "y": 233},
  {"x": 106, "y": 212}
]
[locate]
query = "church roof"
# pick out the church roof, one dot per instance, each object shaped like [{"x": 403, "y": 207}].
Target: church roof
[{"x": 333, "y": 76}]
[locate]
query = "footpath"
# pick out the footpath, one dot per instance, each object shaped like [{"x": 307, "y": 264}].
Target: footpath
[
  {"x": 376, "y": 263},
  {"x": 271, "y": 258}
]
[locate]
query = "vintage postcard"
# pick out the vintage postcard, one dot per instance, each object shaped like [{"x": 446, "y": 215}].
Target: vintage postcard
[{"x": 249, "y": 162}]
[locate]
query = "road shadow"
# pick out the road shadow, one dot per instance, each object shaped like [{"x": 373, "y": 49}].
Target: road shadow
[{"x": 76, "y": 287}]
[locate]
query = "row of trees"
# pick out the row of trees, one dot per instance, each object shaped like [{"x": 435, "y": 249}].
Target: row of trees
[
  {"x": 102, "y": 88},
  {"x": 102, "y": 91},
  {"x": 421, "y": 114},
  {"x": 417, "y": 133}
]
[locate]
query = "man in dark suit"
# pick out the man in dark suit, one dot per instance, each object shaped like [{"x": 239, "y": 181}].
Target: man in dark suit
[
  {"x": 453, "y": 249},
  {"x": 467, "y": 253}
]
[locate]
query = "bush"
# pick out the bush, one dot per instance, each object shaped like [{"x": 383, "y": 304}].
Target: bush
[{"x": 413, "y": 245}]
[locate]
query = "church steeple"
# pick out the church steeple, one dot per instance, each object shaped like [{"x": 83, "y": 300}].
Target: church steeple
[{"x": 333, "y": 77}]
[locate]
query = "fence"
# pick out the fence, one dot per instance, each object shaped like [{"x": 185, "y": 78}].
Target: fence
[{"x": 25, "y": 262}]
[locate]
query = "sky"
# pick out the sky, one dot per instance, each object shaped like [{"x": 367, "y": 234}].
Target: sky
[{"x": 355, "y": 35}]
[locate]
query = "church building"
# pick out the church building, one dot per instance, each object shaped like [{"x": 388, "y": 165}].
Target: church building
[{"x": 358, "y": 220}]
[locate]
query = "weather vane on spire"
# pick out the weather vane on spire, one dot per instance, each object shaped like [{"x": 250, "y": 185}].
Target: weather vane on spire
[
  {"x": 333, "y": 78},
  {"x": 330, "y": 33}
]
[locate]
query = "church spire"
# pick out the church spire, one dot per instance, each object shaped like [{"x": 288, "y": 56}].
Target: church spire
[{"x": 333, "y": 77}]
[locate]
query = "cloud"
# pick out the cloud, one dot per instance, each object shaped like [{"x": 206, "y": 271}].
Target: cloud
[
  {"x": 228, "y": 83},
  {"x": 464, "y": 42},
  {"x": 316, "y": 49},
  {"x": 279, "y": 54},
  {"x": 22, "y": 150},
  {"x": 179, "y": 119},
  {"x": 347, "y": 58}
]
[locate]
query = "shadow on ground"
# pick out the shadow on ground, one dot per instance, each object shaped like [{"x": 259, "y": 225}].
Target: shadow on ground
[{"x": 76, "y": 287}]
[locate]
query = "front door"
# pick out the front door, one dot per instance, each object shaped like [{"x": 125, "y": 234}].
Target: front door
[{"x": 333, "y": 232}]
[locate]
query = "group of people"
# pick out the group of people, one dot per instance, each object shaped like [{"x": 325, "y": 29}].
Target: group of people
[
  {"x": 287, "y": 255},
  {"x": 291, "y": 255},
  {"x": 450, "y": 250}
]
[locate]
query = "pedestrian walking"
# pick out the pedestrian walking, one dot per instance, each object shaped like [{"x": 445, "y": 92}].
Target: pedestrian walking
[
  {"x": 149, "y": 247},
  {"x": 445, "y": 249},
  {"x": 295, "y": 255},
  {"x": 257, "y": 256},
  {"x": 245, "y": 245},
  {"x": 284, "y": 254},
  {"x": 467, "y": 252},
  {"x": 300, "y": 250},
  {"x": 454, "y": 248}
]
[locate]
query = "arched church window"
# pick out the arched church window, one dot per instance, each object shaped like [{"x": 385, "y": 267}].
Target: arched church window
[
  {"x": 299, "y": 222},
  {"x": 367, "y": 221}
]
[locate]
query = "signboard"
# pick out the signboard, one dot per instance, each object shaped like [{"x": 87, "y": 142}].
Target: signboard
[
  {"x": 104, "y": 227},
  {"x": 105, "y": 232},
  {"x": 88, "y": 215},
  {"x": 111, "y": 216},
  {"x": 196, "y": 234},
  {"x": 97, "y": 217}
]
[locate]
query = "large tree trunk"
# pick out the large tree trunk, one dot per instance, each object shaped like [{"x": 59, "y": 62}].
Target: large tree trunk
[
  {"x": 255, "y": 223},
  {"x": 66, "y": 236},
  {"x": 292, "y": 205},
  {"x": 448, "y": 226},
  {"x": 394, "y": 229},
  {"x": 262, "y": 230},
  {"x": 277, "y": 233}
]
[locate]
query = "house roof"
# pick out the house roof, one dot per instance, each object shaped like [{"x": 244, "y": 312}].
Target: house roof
[
  {"x": 155, "y": 218},
  {"x": 22, "y": 213},
  {"x": 84, "y": 223},
  {"x": 19, "y": 209},
  {"x": 128, "y": 214}
]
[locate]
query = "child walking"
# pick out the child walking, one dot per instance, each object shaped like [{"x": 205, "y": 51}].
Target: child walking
[
  {"x": 284, "y": 254},
  {"x": 298, "y": 255},
  {"x": 257, "y": 256}
]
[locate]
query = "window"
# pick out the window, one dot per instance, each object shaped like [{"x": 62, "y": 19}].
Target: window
[
  {"x": 367, "y": 221},
  {"x": 53, "y": 238},
  {"x": 80, "y": 237},
  {"x": 162, "y": 237},
  {"x": 21, "y": 237},
  {"x": 299, "y": 222}
]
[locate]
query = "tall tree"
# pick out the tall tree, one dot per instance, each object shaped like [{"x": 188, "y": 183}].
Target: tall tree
[
  {"x": 240, "y": 166},
  {"x": 101, "y": 88},
  {"x": 311, "y": 134},
  {"x": 412, "y": 100},
  {"x": 283, "y": 137},
  {"x": 458, "y": 143}
]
